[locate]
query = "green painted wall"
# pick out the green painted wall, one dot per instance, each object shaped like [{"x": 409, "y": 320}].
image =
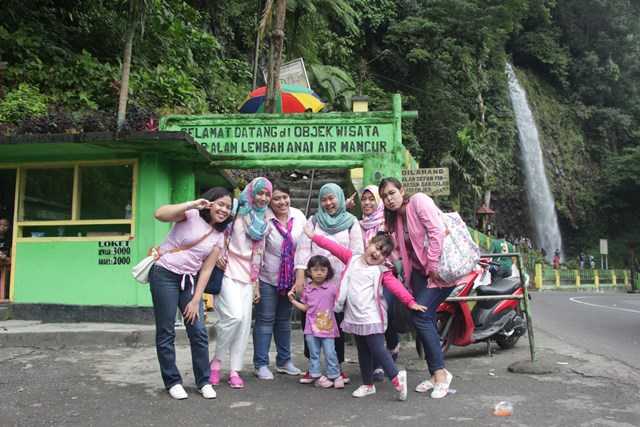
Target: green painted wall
[
  {"x": 68, "y": 273},
  {"x": 71, "y": 273}
]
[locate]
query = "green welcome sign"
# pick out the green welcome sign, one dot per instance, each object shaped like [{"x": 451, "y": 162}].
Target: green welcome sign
[{"x": 320, "y": 140}]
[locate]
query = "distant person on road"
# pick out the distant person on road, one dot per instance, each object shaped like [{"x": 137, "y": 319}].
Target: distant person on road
[
  {"x": 333, "y": 221},
  {"x": 581, "y": 259},
  {"x": 556, "y": 260},
  {"x": 501, "y": 246},
  {"x": 419, "y": 234},
  {"x": 240, "y": 288},
  {"x": 193, "y": 245},
  {"x": 277, "y": 275},
  {"x": 360, "y": 298}
]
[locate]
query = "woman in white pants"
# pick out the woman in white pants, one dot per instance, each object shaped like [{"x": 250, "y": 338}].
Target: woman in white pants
[{"x": 240, "y": 283}]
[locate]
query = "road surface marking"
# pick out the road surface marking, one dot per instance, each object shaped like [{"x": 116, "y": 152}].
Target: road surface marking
[{"x": 577, "y": 300}]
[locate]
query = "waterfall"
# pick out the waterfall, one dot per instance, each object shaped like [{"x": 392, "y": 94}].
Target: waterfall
[{"x": 541, "y": 204}]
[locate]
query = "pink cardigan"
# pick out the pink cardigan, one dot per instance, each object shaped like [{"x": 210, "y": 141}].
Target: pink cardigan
[
  {"x": 387, "y": 279},
  {"x": 426, "y": 232}
]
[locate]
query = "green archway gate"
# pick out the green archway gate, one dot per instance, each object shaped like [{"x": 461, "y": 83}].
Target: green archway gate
[{"x": 371, "y": 140}]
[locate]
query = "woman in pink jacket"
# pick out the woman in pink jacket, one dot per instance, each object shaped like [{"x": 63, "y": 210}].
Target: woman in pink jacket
[{"x": 419, "y": 231}]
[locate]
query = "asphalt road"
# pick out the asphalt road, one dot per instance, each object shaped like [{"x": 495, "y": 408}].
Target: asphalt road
[{"x": 605, "y": 324}]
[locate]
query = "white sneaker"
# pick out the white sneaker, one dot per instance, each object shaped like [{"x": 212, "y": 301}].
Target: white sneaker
[
  {"x": 424, "y": 386},
  {"x": 364, "y": 390},
  {"x": 177, "y": 392},
  {"x": 263, "y": 373},
  {"x": 440, "y": 390},
  {"x": 208, "y": 392},
  {"x": 402, "y": 385}
]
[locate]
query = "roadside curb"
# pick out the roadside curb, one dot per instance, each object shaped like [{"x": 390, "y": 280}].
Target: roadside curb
[{"x": 36, "y": 334}]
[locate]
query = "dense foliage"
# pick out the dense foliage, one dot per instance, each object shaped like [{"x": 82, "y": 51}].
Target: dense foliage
[{"x": 578, "y": 59}]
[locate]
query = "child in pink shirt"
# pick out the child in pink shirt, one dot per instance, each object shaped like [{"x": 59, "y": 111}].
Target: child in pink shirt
[{"x": 321, "y": 327}]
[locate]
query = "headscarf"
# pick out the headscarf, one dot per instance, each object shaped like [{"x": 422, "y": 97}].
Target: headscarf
[
  {"x": 253, "y": 215},
  {"x": 341, "y": 220},
  {"x": 371, "y": 224}
]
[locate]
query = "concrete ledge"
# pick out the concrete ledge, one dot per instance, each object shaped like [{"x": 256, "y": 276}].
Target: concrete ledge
[
  {"x": 24, "y": 333},
  {"x": 82, "y": 313}
]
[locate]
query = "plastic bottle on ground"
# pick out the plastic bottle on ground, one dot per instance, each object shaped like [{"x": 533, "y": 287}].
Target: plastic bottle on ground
[{"x": 503, "y": 409}]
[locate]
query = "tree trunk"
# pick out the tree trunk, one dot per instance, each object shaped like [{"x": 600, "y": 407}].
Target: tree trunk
[
  {"x": 487, "y": 198},
  {"x": 275, "y": 57},
  {"x": 124, "y": 81}
]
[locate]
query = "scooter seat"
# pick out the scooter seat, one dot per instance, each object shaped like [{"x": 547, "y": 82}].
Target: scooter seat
[{"x": 505, "y": 286}]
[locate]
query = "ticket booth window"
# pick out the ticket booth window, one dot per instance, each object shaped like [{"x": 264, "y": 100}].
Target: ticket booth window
[
  {"x": 80, "y": 200},
  {"x": 105, "y": 192},
  {"x": 47, "y": 194}
]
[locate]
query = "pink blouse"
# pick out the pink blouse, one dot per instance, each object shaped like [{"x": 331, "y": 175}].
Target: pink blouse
[
  {"x": 184, "y": 233},
  {"x": 426, "y": 233}
]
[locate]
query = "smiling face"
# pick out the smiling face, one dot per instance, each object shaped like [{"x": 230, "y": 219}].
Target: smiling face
[
  {"x": 329, "y": 203},
  {"x": 220, "y": 209},
  {"x": 262, "y": 198},
  {"x": 373, "y": 254},
  {"x": 392, "y": 197},
  {"x": 368, "y": 202},
  {"x": 280, "y": 203}
]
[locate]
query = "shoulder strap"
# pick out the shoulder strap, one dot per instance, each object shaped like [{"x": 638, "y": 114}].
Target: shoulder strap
[{"x": 191, "y": 245}]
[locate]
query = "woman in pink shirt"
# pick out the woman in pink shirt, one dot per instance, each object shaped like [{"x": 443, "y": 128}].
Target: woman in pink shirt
[
  {"x": 240, "y": 283},
  {"x": 193, "y": 245},
  {"x": 419, "y": 230}
]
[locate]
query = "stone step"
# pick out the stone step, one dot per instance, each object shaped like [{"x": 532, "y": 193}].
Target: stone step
[{"x": 5, "y": 312}]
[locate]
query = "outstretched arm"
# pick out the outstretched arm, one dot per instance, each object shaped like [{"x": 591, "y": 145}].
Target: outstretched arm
[
  {"x": 399, "y": 291},
  {"x": 176, "y": 213},
  {"x": 342, "y": 253}
]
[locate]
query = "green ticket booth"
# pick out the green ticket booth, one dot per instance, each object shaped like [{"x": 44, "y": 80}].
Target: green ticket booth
[{"x": 81, "y": 208}]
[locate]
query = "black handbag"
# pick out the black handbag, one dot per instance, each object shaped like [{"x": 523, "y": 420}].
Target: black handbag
[
  {"x": 401, "y": 319},
  {"x": 214, "y": 286}
]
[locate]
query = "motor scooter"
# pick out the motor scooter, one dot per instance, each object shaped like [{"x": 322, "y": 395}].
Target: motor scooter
[{"x": 501, "y": 321}]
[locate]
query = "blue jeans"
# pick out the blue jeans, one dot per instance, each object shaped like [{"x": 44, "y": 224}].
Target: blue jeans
[
  {"x": 391, "y": 337},
  {"x": 370, "y": 348},
  {"x": 425, "y": 323},
  {"x": 273, "y": 314},
  {"x": 327, "y": 345},
  {"x": 167, "y": 297}
]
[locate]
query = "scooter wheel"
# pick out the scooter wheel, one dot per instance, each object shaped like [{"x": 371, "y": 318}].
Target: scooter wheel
[{"x": 505, "y": 342}]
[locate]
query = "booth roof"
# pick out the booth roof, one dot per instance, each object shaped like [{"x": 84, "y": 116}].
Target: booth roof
[{"x": 178, "y": 146}]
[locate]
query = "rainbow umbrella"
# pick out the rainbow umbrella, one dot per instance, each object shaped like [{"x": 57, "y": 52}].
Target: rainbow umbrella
[{"x": 292, "y": 99}]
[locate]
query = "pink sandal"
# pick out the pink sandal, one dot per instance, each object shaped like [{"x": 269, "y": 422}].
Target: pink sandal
[
  {"x": 214, "y": 376},
  {"x": 235, "y": 381}
]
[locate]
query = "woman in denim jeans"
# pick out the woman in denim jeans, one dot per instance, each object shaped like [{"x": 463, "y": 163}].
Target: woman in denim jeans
[
  {"x": 419, "y": 231},
  {"x": 193, "y": 245},
  {"x": 273, "y": 312}
]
